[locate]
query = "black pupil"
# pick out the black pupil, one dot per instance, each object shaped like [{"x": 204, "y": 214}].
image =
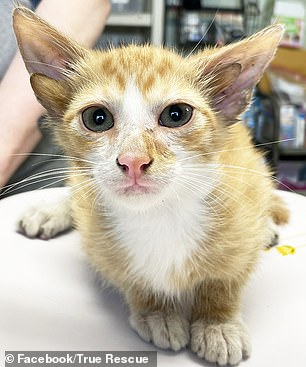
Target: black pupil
[
  {"x": 99, "y": 117},
  {"x": 176, "y": 113}
]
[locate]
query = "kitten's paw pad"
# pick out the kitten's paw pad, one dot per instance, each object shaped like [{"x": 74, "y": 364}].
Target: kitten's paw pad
[
  {"x": 44, "y": 223},
  {"x": 166, "y": 331},
  {"x": 226, "y": 343}
]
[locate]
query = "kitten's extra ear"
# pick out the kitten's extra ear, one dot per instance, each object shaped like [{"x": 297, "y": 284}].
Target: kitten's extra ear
[
  {"x": 54, "y": 95},
  {"x": 229, "y": 74},
  {"x": 44, "y": 50}
]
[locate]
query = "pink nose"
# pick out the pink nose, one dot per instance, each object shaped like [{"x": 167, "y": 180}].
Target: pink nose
[{"x": 134, "y": 166}]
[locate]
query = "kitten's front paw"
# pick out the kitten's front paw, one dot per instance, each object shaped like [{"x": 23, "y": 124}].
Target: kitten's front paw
[
  {"x": 46, "y": 222},
  {"x": 166, "y": 331},
  {"x": 223, "y": 343}
]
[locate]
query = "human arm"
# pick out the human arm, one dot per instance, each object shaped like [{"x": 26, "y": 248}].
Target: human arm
[{"x": 19, "y": 109}]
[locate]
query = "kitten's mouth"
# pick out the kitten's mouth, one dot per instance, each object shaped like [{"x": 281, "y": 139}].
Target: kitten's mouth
[{"x": 137, "y": 188}]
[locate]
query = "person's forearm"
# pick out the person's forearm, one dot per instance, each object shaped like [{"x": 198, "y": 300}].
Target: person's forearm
[
  {"x": 19, "y": 110},
  {"x": 83, "y": 20}
]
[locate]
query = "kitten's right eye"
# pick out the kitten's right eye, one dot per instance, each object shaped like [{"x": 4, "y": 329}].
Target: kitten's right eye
[{"x": 97, "y": 119}]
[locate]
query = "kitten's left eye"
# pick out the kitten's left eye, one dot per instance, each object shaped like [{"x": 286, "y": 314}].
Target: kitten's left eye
[
  {"x": 176, "y": 115},
  {"x": 97, "y": 119}
]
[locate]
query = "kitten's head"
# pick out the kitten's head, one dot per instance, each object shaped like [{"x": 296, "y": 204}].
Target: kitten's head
[{"x": 143, "y": 121}]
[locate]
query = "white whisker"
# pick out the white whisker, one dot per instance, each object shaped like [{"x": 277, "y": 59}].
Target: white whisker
[
  {"x": 203, "y": 36},
  {"x": 233, "y": 149},
  {"x": 63, "y": 156},
  {"x": 61, "y": 174}
]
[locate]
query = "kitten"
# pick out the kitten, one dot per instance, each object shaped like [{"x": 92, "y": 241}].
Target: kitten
[{"x": 172, "y": 201}]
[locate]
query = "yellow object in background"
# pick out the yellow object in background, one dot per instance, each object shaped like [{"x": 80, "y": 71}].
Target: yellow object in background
[{"x": 286, "y": 250}]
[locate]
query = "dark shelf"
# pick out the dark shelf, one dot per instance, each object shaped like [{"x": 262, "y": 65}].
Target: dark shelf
[{"x": 292, "y": 153}]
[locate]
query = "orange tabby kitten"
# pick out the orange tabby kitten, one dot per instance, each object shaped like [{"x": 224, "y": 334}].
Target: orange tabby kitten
[{"x": 172, "y": 201}]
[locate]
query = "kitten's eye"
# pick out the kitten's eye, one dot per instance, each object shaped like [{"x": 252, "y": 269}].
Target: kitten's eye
[
  {"x": 176, "y": 115},
  {"x": 97, "y": 119}
]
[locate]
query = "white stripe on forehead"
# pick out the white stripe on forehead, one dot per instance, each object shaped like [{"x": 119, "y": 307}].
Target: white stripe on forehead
[{"x": 135, "y": 111}]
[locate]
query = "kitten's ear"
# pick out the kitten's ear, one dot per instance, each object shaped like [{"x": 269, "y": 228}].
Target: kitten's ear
[
  {"x": 49, "y": 57},
  {"x": 228, "y": 75},
  {"x": 44, "y": 50}
]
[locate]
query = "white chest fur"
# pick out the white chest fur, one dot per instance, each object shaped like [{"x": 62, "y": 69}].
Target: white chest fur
[{"x": 161, "y": 239}]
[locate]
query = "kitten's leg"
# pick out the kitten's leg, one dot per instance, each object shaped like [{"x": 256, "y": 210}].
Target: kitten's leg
[
  {"x": 159, "y": 322},
  {"x": 46, "y": 222},
  {"x": 217, "y": 333},
  {"x": 279, "y": 211},
  {"x": 279, "y": 215}
]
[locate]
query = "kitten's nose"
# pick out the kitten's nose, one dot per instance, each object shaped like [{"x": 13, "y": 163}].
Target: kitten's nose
[{"x": 134, "y": 166}]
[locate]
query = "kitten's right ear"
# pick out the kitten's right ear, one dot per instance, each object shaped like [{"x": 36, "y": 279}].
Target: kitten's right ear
[{"x": 44, "y": 50}]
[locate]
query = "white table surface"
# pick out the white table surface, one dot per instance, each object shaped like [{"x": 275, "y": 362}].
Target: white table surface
[{"x": 50, "y": 300}]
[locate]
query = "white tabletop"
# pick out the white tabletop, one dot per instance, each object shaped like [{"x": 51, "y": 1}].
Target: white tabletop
[{"x": 50, "y": 300}]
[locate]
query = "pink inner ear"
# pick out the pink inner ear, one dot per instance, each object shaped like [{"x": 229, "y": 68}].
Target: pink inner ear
[
  {"x": 249, "y": 77},
  {"x": 51, "y": 64},
  {"x": 233, "y": 100},
  {"x": 51, "y": 70},
  {"x": 232, "y": 106}
]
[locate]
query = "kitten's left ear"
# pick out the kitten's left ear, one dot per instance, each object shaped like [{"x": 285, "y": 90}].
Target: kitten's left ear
[
  {"x": 49, "y": 57},
  {"x": 44, "y": 50},
  {"x": 228, "y": 75}
]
